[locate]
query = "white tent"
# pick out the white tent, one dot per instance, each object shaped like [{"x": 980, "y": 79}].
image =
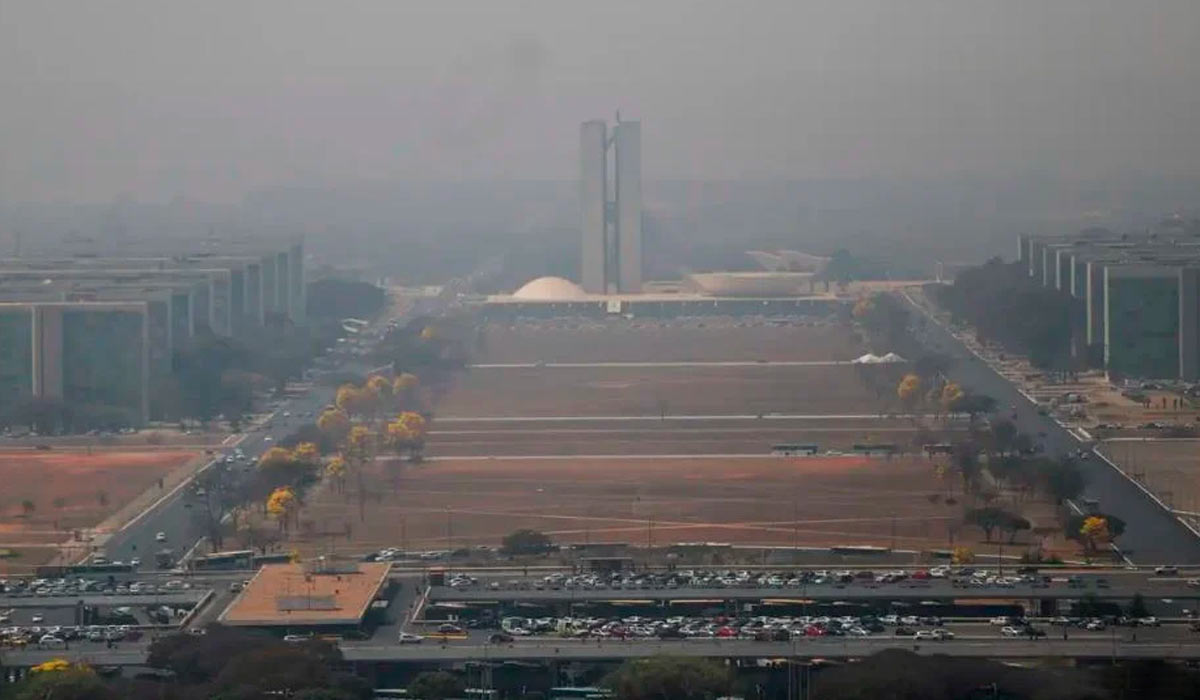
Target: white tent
[{"x": 867, "y": 359}]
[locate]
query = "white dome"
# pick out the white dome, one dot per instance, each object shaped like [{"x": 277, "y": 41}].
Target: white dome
[{"x": 550, "y": 289}]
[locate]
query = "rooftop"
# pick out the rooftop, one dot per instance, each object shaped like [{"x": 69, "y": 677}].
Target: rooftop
[{"x": 311, "y": 594}]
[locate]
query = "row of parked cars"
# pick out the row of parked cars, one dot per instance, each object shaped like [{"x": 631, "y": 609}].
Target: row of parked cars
[
  {"x": 44, "y": 587},
  {"x": 961, "y": 577},
  {"x": 56, "y": 636},
  {"x": 759, "y": 628}
]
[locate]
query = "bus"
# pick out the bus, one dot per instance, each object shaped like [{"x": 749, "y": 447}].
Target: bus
[
  {"x": 588, "y": 692},
  {"x": 938, "y": 448},
  {"x": 236, "y": 559},
  {"x": 792, "y": 449},
  {"x": 880, "y": 448}
]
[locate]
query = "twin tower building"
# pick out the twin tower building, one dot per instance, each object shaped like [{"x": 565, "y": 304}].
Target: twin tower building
[{"x": 611, "y": 208}]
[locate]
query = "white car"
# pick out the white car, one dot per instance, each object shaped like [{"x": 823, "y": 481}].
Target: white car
[
  {"x": 999, "y": 621},
  {"x": 160, "y": 537},
  {"x": 37, "y": 618},
  {"x": 1148, "y": 621},
  {"x": 409, "y": 638},
  {"x": 925, "y": 634},
  {"x": 49, "y": 641},
  {"x": 296, "y": 638},
  {"x": 1011, "y": 631},
  {"x": 943, "y": 634}
]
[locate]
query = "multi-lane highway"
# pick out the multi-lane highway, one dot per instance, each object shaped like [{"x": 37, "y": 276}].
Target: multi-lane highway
[
  {"x": 1152, "y": 534},
  {"x": 173, "y": 513},
  {"x": 1112, "y": 644}
]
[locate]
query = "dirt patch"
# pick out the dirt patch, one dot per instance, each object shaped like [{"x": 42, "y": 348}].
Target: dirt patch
[
  {"x": 666, "y": 437},
  {"x": 666, "y": 340},
  {"x": 70, "y": 490},
  {"x": 780, "y": 501},
  {"x": 673, "y": 391}
]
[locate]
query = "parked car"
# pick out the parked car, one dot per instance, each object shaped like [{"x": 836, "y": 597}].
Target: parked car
[{"x": 409, "y": 638}]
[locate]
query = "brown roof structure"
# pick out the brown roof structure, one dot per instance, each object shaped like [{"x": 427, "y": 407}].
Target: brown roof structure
[{"x": 316, "y": 593}]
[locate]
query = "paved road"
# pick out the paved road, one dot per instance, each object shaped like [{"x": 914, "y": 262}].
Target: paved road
[
  {"x": 174, "y": 516},
  {"x": 1152, "y": 535},
  {"x": 1100, "y": 646}
]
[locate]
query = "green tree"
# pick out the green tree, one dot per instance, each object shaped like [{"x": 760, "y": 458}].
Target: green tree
[
  {"x": 663, "y": 677},
  {"x": 991, "y": 518},
  {"x": 1137, "y": 606},
  {"x": 74, "y": 683},
  {"x": 526, "y": 542},
  {"x": 1004, "y": 432},
  {"x": 1061, "y": 479},
  {"x": 435, "y": 685}
]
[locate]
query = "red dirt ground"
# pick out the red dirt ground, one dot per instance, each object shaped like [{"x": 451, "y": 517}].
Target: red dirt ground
[
  {"x": 666, "y": 341},
  {"x": 809, "y": 501},
  {"x": 77, "y": 479},
  {"x": 608, "y": 391}
]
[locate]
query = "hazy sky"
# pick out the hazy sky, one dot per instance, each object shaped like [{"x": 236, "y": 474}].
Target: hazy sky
[{"x": 210, "y": 99}]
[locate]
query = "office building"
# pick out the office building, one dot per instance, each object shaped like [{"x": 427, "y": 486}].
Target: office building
[
  {"x": 1136, "y": 309},
  {"x": 611, "y": 227}
]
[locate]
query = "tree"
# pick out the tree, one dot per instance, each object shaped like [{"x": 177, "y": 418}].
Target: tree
[
  {"x": 334, "y": 423},
  {"x": 1094, "y": 532},
  {"x": 972, "y": 404},
  {"x": 951, "y": 392},
  {"x": 59, "y": 680},
  {"x": 991, "y": 518},
  {"x": 909, "y": 390},
  {"x": 281, "y": 505},
  {"x": 661, "y": 677},
  {"x": 28, "y": 507},
  {"x": 1137, "y": 607},
  {"x": 966, "y": 461},
  {"x": 1004, "y": 432},
  {"x": 962, "y": 555},
  {"x": 407, "y": 432},
  {"x": 1061, "y": 479},
  {"x": 335, "y": 469},
  {"x": 526, "y": 542},
  {"x": 306, "y": 452},
  {"x": 352, "y": 400},
  {"x": 435, "y": 685}
]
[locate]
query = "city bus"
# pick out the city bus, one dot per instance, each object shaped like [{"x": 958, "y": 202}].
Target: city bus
[{"x": 792, "y": 449}]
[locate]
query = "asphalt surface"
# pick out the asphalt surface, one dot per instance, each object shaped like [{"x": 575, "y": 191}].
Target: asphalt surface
[
  {"x": 1152, "y": 535},
  {"x": 1161, "y": 643}
]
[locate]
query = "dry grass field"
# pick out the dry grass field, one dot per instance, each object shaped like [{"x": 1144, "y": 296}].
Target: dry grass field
[
  {"x": 678, "y": 340},
  {"x": 675, "y": 391},
  {"x": 451, "y": 503},
  {"x": 70, "y": 490},
  {"x": 645, "y": 460}
]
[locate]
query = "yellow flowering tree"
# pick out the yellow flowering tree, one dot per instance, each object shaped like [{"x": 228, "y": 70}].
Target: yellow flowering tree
[{"x": 282, "y": 505}]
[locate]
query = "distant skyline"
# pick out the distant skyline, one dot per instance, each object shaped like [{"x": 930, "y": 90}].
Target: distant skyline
[{"x": 211, "y": 101}]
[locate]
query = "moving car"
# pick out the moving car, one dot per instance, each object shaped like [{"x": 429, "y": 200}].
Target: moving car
[{"x": 409, "y": 638}]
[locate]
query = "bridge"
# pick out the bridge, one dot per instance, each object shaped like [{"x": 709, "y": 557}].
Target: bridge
[{"x": 1098, "y": 647}]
